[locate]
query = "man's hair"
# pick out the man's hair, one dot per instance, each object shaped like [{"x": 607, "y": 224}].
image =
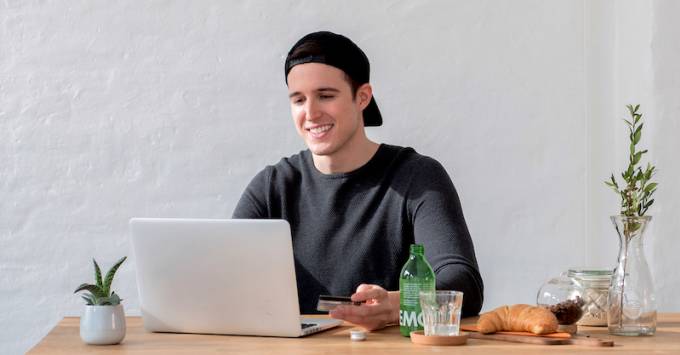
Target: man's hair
[{"x": 312, "y": 48}]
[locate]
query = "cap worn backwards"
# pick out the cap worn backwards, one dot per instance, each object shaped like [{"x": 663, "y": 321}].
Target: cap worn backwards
[{"x": 340, "y": 52}]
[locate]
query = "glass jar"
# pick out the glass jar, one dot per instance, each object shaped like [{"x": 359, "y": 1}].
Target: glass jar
[
  {"x": 563, "y": 297},
  {"x": 595, "y": 284}
]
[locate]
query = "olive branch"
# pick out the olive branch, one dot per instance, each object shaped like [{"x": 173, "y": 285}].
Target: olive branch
[{"x": 636, "y": 193}]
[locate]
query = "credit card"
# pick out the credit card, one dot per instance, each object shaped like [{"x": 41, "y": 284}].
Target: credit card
[{"x": 328, "y": 303}]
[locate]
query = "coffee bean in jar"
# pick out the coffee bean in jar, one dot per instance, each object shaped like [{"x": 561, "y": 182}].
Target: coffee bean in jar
[{"x": 569, "y": 311}]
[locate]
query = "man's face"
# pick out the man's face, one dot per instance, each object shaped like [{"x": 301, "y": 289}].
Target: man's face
[{"x": 325, "y": 113}]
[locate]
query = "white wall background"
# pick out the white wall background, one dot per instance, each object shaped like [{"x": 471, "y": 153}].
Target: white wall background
[{"x": 110, "y": 110}]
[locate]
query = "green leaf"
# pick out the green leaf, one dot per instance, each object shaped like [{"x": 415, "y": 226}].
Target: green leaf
[
  {"x": 638, "y": 130},
  {"x": 97, "y": 274},
  {"x": 639, "y": 174},
  {"x": 636, "y": 108},
  {"x": 104, "y": 301},
  {"x": 628, "y": 123},
  {"x": 649, "y": 171},
  {"x": 114, "y": 299},
  {"x": 94, "y": 289},
  {"x": 650, "y": 187},
  {"x": 109, "y": 301},
  {"x": 637, "y": 136},
  {"x": 88, "y": 299},
  {"x": 612, "y": 186},
  {"x": 630, "y": 109},
  {"x": 108, "y": 280},
  {"x": 647, "y": 205},
  {"x": 636, "y": 159},
  {"x": 614, "y": 189},
  {"x": 632, "y": 148}
]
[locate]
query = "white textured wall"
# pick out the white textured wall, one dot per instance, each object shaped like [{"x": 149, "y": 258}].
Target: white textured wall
[
  {"x": 664, "y": 143},
  {"x": 110, "y": 110},
  {"x": 633, "y": 57}
]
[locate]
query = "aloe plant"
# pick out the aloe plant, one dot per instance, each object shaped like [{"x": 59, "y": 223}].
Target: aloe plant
[{"x": 100, "y": 293}]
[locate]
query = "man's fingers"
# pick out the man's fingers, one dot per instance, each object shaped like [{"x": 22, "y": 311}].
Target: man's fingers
[
  {"x": 364, "y": 311},
  {"x": 362, "y": 316},
  {"x": 367, "y": 292},
  {"x": 368, "y": 311},
  {"x": 373, "y": 315},
  {"x": 364, "y": 287}
]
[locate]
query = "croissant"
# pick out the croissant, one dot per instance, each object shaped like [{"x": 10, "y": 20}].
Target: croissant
[{"x": 518, "y": 318}]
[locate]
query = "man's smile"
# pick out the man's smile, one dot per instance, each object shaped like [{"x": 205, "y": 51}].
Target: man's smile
[{"x": 320, "y": 130}]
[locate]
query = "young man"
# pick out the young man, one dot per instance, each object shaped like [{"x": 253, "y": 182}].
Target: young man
[{"x": 355, "y": 206}]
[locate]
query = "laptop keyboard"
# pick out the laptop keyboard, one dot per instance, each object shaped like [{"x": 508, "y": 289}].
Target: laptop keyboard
[{"x": 308, "y": 325}]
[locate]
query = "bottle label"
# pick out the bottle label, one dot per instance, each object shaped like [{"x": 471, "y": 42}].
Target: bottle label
[
  {"x": 411, "y": 319},
  {"x": 410, "y": 314}
]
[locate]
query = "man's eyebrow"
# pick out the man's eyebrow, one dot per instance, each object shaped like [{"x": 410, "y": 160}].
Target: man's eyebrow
[
  {"x": 328, "y": 89},
  {"x": 296, "y": 93}
]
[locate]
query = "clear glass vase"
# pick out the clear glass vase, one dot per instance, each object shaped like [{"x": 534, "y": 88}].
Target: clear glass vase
[{"x": 632, "y": 305}]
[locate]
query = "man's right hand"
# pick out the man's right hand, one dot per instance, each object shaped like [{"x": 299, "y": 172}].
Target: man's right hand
[{"x": 381, "y": 308}]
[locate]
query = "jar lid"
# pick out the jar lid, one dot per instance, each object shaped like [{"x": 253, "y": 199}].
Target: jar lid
[{"x": 590, "y": 273}]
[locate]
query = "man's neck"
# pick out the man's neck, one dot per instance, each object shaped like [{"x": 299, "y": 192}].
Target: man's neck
[{"x": 349, "y": 159}]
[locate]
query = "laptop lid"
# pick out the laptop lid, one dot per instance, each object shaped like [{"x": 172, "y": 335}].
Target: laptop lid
[{"x": 216, "y": 276}]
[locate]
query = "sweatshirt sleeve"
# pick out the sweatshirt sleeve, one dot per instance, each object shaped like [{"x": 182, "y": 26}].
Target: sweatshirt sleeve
[
  {"x": 253, "y": 202},
  {"x": 440, "y": 227}
]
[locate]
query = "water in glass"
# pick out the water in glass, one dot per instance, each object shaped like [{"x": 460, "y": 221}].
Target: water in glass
[{"x": 441, "y": 312}]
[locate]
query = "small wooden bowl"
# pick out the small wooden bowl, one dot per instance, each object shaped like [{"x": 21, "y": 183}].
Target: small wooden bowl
[{"x": 418, "y": 337}]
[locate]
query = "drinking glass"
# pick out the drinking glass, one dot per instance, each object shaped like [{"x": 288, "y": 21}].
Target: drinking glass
[{"x": 441, "y": 312}]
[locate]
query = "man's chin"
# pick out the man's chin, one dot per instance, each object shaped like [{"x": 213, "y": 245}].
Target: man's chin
[{"x": 321, "y": 150}]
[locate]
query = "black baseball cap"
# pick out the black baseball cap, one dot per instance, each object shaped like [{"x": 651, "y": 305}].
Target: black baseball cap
[{"x": 338, "y": 51}]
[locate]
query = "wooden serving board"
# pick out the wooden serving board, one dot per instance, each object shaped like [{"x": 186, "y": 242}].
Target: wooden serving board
[
  {"x": 561, "y": 335},
  {"x": 531, "y": 338},
  {"x": 590, "y": 341},
  {"x": 520, "y": 338}
]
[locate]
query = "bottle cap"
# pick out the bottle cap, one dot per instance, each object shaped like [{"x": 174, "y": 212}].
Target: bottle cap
[{"x": 357, "y": 334}]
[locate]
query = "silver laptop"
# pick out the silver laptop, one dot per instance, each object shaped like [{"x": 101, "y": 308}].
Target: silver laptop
[{"x": 219, "y": 277}]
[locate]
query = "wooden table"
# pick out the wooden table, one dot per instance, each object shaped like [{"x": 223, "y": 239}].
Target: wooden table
[{"x": 65, "y": 339}]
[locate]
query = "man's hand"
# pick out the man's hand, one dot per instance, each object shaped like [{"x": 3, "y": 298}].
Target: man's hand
[{"x": 380, "y": 310}]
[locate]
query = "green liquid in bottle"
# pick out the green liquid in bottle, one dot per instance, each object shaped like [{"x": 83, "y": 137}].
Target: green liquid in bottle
[{"x": 416, "y": 276}]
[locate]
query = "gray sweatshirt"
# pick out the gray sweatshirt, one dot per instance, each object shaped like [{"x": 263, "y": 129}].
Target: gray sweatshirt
[{"x": 353, "y": 228}]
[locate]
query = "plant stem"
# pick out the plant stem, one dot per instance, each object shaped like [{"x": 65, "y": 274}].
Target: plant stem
[{"x": 626, "y": 233}]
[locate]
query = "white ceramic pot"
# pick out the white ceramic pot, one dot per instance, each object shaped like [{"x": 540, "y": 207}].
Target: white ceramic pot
[{"x": 102, "y": 325}]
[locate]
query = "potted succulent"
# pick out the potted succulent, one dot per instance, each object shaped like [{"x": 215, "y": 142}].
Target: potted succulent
[
  {"x": 103, "y": 319},
  {"x": 632, "y": 305}
]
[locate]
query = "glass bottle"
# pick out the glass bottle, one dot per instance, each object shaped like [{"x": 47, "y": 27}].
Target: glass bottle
[
  {"x": 416, "y": 276},
  {"x": 632, "y": 305}
]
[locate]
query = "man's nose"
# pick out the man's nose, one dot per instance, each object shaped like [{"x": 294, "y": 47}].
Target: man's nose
[{"x": 312, "y": 110}]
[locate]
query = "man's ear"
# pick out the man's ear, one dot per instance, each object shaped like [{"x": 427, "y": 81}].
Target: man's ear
[{"x": 364, "y": 95}]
